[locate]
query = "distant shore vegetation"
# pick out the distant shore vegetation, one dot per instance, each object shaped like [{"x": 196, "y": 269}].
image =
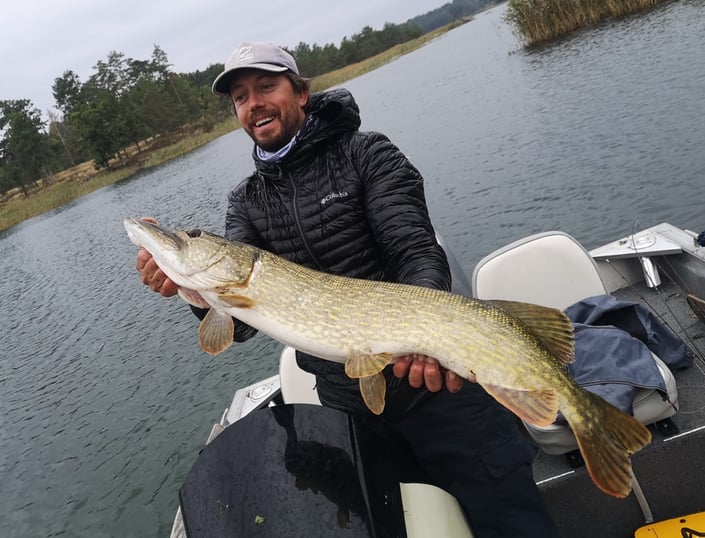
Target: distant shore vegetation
[
  {"x": 541, "y": 21},
  {"x": 132, "y": 114}
]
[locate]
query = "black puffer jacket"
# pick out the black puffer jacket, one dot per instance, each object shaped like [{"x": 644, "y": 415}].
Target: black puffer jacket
[{"x": 345, "y": 202}]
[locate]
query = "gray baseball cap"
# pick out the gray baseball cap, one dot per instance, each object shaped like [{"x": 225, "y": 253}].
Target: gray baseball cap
[{"x": 254, "y": 55}]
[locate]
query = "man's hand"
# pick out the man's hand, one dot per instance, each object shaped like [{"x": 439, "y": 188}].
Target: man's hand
[
  {"x": 423, "y": 370},
  {"x": 151, "y": 275}
]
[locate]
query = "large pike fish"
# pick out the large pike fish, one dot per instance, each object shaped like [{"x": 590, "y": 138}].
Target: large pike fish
[{"x": 517, "y": 351}]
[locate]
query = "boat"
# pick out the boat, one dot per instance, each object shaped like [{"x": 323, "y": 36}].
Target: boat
[{"x": 277, "y": 463}]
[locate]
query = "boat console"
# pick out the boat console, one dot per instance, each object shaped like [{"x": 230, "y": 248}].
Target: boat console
[{"x": 307, "y": 470}]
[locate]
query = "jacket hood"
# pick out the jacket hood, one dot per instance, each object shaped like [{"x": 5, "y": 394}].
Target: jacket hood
[{"x": 336, "y": 110}]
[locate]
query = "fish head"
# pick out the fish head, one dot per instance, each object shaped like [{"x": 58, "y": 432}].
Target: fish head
[{"x": 193, "y": 259}]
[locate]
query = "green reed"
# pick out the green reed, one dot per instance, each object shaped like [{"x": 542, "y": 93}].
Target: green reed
[{"x": 539, "y": 21}]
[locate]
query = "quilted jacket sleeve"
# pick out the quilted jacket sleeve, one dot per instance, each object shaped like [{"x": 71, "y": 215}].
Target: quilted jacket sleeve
[
  {"x": 237, "y": 224},
  {"x": 396, "y": 209}
]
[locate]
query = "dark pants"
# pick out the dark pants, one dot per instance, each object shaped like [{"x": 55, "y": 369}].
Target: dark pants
[
  {"x": 469, "y": 445},
  {"x": 466, "y": 443}
]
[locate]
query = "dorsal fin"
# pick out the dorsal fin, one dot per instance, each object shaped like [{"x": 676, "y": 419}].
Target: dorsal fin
[{"x": 550, "y": 326}]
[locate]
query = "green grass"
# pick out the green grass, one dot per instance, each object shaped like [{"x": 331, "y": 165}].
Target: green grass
[{"x": 59, "y": 193}]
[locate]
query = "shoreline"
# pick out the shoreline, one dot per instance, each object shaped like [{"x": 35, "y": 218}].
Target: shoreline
[{"x": 69, "y": 185}]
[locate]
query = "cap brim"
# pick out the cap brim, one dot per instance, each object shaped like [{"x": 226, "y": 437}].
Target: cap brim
[{"x": 221, "y": 85}]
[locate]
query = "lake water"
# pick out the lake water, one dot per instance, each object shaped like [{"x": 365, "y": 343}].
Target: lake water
[{"x": 104, "y": 394}]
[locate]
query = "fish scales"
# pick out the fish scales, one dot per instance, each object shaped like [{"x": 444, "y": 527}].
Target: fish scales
[
  {"x": 404, "y": 328},
  {"x": 516, "y": 351}
]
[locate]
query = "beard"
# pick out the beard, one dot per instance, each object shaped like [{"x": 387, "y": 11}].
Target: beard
[
  {"x": 272, "y": 144},
  {"x": 277, "y": 134}
]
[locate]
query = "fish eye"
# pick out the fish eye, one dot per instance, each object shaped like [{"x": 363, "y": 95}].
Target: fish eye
[{"x": 194, "y": 233}]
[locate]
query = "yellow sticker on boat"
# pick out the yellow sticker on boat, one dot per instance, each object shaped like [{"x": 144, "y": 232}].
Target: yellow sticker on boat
[{"x": 679, "y": 527}]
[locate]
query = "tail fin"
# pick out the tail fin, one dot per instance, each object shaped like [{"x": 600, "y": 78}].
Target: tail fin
[{"x": 606, "y": 438}]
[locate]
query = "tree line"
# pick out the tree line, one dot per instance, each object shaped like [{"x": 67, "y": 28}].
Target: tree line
[{"x": 127, "y": 101}]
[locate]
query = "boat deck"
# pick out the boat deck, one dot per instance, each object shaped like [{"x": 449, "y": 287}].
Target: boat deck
[{"x": 668, "y": 470}]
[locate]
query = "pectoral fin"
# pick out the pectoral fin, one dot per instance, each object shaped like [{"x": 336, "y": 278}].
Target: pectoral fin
[
  {"x": 215, "y": 333},
  {"x": 192, "y": 297},
  {"x": 359, "y": 366},
  {"x": 373, "y": 389},
  {"x": 232, "y": 298},
  {"x": 538, "y": 407}
]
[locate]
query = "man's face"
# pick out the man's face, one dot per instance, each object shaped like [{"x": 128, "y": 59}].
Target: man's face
[{"x": 268, "y": 107}]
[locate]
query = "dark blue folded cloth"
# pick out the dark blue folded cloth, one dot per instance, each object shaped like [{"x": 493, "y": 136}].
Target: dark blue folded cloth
[
  {"x": 614, "y": 340},
  {"x": 701, "y": 239}
]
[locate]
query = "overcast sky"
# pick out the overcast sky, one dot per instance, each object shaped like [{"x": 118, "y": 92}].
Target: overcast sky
[{"x": 40, "y": 39}]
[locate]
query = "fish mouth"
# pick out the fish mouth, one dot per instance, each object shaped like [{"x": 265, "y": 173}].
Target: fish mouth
[
  {"x": 143, "y": 233},
  {"x": 166, "y": 247}
]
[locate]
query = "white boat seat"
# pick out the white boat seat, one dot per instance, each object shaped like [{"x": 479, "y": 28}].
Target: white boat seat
[
  {"x": 553, "y": 269},
  {"x": 550, "y": 269},
  {"x": 297, "y": 385},
  {"x": 432, "y": 511}
]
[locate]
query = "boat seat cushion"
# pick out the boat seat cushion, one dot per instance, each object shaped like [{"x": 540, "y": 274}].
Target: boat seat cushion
[
  {"x": 550, "y": 269},
  {"x": 297, "y": 385},
  {"x": 553, "y": 269}
]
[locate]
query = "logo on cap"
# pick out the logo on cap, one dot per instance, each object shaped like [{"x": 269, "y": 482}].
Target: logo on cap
[{"x": 244, "y": 54}]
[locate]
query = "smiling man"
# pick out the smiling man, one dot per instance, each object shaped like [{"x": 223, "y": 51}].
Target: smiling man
[
  {"x": 331, "y": 197},
  {"x": 268, "y": 104}
]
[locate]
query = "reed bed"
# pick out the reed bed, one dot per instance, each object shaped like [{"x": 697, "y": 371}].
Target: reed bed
[{"x": 539, "y": 21}]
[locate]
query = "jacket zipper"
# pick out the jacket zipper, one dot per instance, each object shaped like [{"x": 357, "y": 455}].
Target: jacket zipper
[{"x": 297, "y": 220}]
